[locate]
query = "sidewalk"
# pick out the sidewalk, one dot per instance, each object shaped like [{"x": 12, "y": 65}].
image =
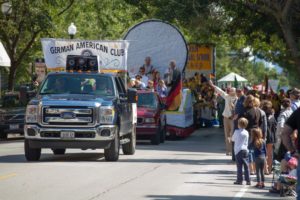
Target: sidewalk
[{"x": 215, "y": 176}]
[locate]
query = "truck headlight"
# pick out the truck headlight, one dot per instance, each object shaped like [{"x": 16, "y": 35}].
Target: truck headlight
[
  {"x": 107, "y": 114},
  {"x": 149, "y": 120},
  {"x": 32, "y": 114}
]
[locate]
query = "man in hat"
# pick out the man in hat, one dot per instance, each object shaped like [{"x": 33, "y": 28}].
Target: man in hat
[
  {"x": 295, "y": 98},
  {"x": 174, "y": 73},
  {"x": 228, "y": 114}
]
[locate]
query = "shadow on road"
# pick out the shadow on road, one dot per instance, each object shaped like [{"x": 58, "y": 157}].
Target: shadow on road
[
  {"x": 19, "y": 139},
  {"x": 178, "y": 161},
  {"x": 98, "y": 157},
  {"x": 201, "y": 141},
  {"x": 189, "y": 197},
  {"x": 47, "y": 157},
  {"x": 221, "y": 172}
]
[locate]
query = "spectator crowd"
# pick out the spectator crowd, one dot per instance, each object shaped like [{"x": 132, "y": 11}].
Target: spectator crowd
[
  {"x": 261, "y": 134},
  {"x": 260, "y": 127}
]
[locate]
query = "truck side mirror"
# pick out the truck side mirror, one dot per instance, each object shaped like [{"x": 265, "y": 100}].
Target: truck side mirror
[{"x": 132, "y": 95}]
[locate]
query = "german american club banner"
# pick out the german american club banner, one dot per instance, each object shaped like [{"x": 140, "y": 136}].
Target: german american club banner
[{"x": 112, "y": 54}]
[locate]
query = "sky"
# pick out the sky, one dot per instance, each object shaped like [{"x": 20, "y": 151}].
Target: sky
[{"x": 258, "y": 60}]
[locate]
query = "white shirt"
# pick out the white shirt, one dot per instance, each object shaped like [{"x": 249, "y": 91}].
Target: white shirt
[
  {"x": 282, "y": 118},
  {"x": 229, "y": 100},
  {"x": 295, "y": 105},
  {"x": 240, "y": 138},
  {"x": 145, "y": 80}
]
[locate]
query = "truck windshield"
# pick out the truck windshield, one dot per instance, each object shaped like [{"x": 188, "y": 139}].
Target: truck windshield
[
  {"x": 148, "y": 100},
  {"x": 78, "y": 84}
]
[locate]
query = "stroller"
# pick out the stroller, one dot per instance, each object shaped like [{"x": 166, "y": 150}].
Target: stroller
[
  {"x": 288, "y": 186},
  {"x": 287, "y": 183},
  {"x": 276, "y": 169}
]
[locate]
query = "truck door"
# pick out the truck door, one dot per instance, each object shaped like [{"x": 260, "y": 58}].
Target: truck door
[{"x": 125, "y": 108}]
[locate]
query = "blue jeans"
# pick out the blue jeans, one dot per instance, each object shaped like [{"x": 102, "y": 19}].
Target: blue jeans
[
  {"x": 251, "y": 156},
  {"x": 260, "y": 166},
  {"x": 242, "y": 160}
]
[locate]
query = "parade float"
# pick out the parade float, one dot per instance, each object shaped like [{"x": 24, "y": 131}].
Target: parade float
[{"x": 163, "y": 42}]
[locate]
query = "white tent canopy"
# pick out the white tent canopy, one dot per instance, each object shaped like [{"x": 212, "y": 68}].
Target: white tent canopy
[
  {"x": 4, "y": 58},
  {"x": 229, "y": 79}
]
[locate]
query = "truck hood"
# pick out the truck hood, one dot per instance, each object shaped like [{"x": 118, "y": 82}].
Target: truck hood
[
  {"x": 75, "y": 100},
  {"x": 146, "y": 112}
]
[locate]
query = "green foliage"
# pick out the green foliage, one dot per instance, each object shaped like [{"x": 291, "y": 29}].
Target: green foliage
[
  {"x": 230, "y": 25},
  {"x": 20, "y": 30}
]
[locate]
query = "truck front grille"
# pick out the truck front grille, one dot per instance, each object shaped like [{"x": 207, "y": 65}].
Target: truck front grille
[
  {"x": 56, "y": 134},
  {"x": 65, "y": 116}
]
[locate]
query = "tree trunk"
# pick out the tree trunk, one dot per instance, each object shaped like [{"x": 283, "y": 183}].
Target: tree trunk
[{"x": 12, "y": 76}]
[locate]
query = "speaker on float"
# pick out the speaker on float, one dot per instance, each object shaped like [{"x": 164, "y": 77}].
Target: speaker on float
[
  {"x": 82, "y": 63},
  {"x": 93, "y": 63},
  {"x": 71, "y": 62}
]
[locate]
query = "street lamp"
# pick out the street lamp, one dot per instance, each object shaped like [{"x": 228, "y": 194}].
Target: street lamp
[
  {"x": 6, "y": 8},
  {"x": 72, "y": 30}
]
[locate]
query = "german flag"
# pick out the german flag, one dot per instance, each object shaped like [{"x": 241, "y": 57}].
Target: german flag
[{"x": 173, "y": 100}]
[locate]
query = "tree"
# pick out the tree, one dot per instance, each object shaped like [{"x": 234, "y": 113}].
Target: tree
[
  {"x": 20, "y": 30},
  {"x": 271, "y": 27}
]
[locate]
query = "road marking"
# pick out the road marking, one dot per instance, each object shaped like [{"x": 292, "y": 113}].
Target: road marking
[
  {"x": 240, "y": 194},
  {"x": 3, "y": 177}
]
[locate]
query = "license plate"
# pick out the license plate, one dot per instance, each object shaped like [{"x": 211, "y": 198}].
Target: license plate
[
  {"x": 67, "y": 135},
  {"x": 13, "y": 126}
]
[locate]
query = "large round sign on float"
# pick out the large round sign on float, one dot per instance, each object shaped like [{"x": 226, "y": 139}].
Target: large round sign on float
[{"x": 161, "y": 41}]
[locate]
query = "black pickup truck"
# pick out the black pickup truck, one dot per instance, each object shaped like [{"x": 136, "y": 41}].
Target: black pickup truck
[
  {"x": 81, "y": 110},
  {"x": 12, "y": 116}
]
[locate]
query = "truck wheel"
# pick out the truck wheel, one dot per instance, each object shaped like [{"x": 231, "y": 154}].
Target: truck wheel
[
  {"x": 112, "y": 153},
  {"x": 155, "y": 140},
  {"x": 163, "y": 134},
  {"x": 59, "y": 151},
  {"x": 3, "y": 135},
  {"x": 31, "y": 154},
  {"x": 129, "y": 148}
]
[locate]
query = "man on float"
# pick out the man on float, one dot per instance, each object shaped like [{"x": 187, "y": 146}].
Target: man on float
[
  {"x": 174, "y": 73},
  {"x": 148, "y": 67}
]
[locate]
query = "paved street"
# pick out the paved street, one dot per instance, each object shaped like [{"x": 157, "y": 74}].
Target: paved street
[{"x": 193, "y": 169}]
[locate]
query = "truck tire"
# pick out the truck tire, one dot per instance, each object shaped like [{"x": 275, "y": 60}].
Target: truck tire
[
  {"x": 31, "y": 154},
  {"x": 155, "y": 140},
  {"x": 59, "y": 151},
  {"x": 112, "y": 153},
  {"x": 129, "y": 148},
  {"x": 163, "y": 134}
]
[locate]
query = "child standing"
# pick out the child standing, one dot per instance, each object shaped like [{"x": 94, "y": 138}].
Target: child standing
[
  {"x": 240, "y": 138},
  {"x": 259, "y": 146}
]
